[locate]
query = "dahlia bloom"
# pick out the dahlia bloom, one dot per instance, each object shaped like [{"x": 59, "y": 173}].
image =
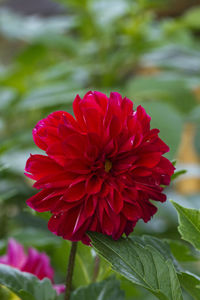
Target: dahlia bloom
[
  {"x": 102, "y": 167},
  {"x": 34, "y": 262}
]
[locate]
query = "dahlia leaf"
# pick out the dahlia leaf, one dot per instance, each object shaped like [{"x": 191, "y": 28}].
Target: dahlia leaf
[
  {"x": 25, "y": 285},
  {"x": 191, "y": 284},
  {"x": 104, "y": 290},
  {"x": 162, "y": 246},
  {"x": 189, "y": 224},
  {"x": 175, "y": 251},
  {"x": 140, "y": 262}
]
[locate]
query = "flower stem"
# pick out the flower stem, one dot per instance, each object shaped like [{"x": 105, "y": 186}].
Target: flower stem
[
  {"x": 96, "y": 268},
  {"x": 70, "y": 270}
]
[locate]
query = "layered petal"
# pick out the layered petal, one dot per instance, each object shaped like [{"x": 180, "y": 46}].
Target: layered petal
[{"x": 102, "y": 169}]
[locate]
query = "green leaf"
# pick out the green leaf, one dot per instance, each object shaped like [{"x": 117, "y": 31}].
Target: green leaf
[
  {"x": 178, "y": 173},
  {"x": 34, "y": 237},
  {"x": 168, "y": 121},
  {"x": 32, "y": 27},
  {"x": 141, "y": 263},
  {"x": 25, "y": 285},
  {"x": 192, "y": 18},
  {"x": 50, "y": 95},
  {"x": 163, "y": 87},
  {"x": 194, "y": 115},
  {"x": 105, "y": 290},
  {"x": 181, "y": 251},
  {"x": 189, "y": 224},
  {"x": 191, "y": 284},
  {"x": 103, "y": 11},
  {"x": 176, "y": 57},
  {"x": 6, "y": 294},
  {"x": 160, "y": 245},
  {"x": 84, "y": 266},
  {"x": 7, "y": 95}
]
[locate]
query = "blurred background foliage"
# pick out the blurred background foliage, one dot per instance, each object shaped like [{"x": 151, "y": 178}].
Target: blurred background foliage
[{"x": 149, "y": 50}]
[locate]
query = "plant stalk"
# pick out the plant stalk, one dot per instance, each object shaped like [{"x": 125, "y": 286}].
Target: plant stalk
[
  {"x": 96, "y": 268},
  {"x": 70, "y": 270}
]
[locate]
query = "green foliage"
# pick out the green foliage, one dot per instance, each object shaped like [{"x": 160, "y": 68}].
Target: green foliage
[
  {"x": 141, "y": 264},
  {"x": 48, "y": 96},
  {"x": 181, "y": 251},
  {"x": 5, "y": 294},
  {"x": 36, "y": 237},
  {"x": 166, "y": 119},
  {"x": 189, "y": 224},
  {"x": 25, "y": 285},
  {"x": 166, "y": 87},
  {"x": 191, "y": 284},
  {"x": 178, "y": 173},
  {"x": 122, "y": 46},
  {"x": 194, "y": 115},
  {"x": 105, "y": 290},
  {"x": 192, "y": 18}
]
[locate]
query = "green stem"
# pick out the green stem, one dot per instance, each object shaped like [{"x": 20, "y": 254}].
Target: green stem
[
  {"x": 96, "y": 268},
  {"x": 70, "y": 270}
]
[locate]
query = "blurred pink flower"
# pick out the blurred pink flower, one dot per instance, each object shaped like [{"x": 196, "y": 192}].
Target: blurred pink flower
[{"x": 34, "y": 262}]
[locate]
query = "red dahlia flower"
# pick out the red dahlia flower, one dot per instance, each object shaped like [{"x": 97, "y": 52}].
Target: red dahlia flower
[
  {"x": 102, "y": 167},
  {"x": 34, "y": 262}
]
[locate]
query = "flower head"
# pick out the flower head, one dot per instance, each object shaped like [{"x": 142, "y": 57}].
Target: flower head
[
  {"x": 102, "y": 167},
  {"x": 34, "y": 262}
]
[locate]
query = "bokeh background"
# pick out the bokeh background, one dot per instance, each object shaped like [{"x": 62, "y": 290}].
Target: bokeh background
[{"x": 148, "y": 50}]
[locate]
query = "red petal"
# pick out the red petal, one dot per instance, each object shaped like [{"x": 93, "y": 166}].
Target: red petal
[
  {"x": 125, "y": 163},
  {"x": 141, "y": 172},
  {"x": 143, "y": 118},
  {"x": 148, "y": 210},
  {"x": 38, "y": 132},
  {"x": 93, "y": 184},
  {"x": 93, "y": 120},
  {"x": 101, "y": 99},
  {"x": 44, "y": 200},
  {"x": 56, "y": 152},
  {"x": 78, "y": 166},
  {"x": 74, "y": 146},
  {"x": 56, "y": 181},
  {"x": 127, "y": 107},
  {"x": 115, "y": 201},
  {"x": 46, "y": 130},
  {"x": 131, "y": 212},
  {"x": 40, "y": 166},
  {"x": 78, "y": 112},
  {"x": 65, "y": 224},
  {"x": 75, "y": 192},
  {"x": 90, "y": 205},
  {"x": 65, "y": 131},
  {"x": 149, "y": 160},
  {"x": 129, "y": 227},
  {"x": 114, "y": 127},
  {"x": 121, "y": 228},
  {"x": 165, "y": 166},
  {"x": 107, "y": 224}
]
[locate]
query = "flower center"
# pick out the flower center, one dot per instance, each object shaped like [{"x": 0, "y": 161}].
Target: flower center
[{"x": 108, "y": 165}]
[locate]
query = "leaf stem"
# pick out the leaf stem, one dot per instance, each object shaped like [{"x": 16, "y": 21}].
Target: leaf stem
[{"x": 70, "y": 270}]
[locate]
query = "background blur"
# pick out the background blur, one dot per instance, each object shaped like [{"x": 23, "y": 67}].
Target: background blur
[{"x": 49, "y": 51}]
